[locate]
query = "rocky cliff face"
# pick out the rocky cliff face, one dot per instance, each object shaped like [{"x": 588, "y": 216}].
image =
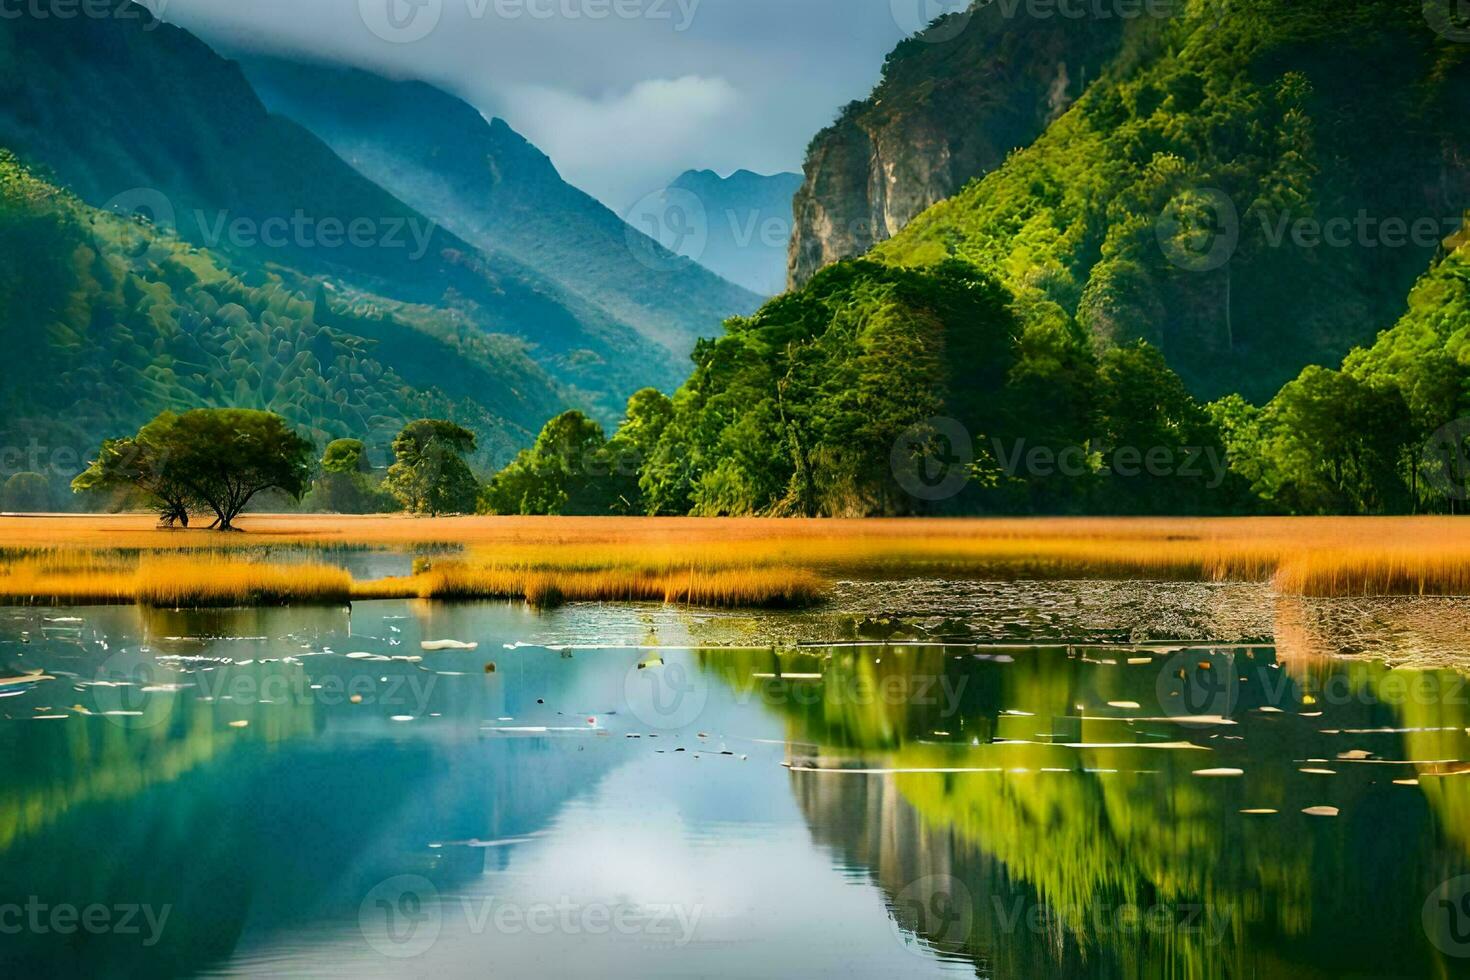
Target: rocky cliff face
[{"x": 954, "y": 101}]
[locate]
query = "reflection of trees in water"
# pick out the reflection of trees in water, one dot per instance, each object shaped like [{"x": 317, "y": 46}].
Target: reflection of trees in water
[
  {"x": 1083, "y": 831},
  {"x": 247, "y": 832}
]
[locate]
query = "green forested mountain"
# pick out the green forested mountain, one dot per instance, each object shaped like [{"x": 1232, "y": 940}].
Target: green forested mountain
[
  {"x": 953, "y": 102},
  {"x": 484, "y": 182},
  {"x": 126, "y": 111},
  {"x": 1246, "y": 124},
  {"x": 1386, "y": 433},
  {"x": 1228, "y": 202},
  {"x": 106, "y": 321},
  {"x": 877, "y": 390}
]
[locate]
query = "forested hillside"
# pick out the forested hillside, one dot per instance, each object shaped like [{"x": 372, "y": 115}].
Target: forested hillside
[
  {"x": 106, "y": 321},
  {"x": 1229, "y": 206},
  {"x": 129, "y": 113},
  {"x": 1302, "y": 140},
  {"x": 483, "y": 181}
]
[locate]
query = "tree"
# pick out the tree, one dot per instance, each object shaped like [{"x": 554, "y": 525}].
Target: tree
[
  {"x": 345, "y": 485},
  {"x": 26, "y": 493},
  {"x": 218, "y": 458},
  {"x": 1335, "y": 445},
  {"x": 138, "y": 465},
  {"x": 567, "y": 471},
  {"x": 429, "y": 474}
]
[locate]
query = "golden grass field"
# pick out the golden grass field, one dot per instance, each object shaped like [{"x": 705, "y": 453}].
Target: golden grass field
[{"x": 705, "y": 561}]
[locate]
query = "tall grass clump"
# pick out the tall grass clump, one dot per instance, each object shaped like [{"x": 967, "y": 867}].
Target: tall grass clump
[
  {"x": 171, "y": 582},
  {"x": 1382, "y": 572},
  {"x": 745, "y": 587}
]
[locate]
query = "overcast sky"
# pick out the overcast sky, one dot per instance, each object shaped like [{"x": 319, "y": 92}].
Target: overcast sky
[{"x": 622, "y": 94}]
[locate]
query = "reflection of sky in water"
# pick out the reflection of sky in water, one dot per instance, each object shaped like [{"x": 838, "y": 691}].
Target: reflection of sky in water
[{"x": 555, "y": 785}]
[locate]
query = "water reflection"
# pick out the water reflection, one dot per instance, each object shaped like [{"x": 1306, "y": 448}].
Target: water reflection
[{"x": 312, "y": 790}]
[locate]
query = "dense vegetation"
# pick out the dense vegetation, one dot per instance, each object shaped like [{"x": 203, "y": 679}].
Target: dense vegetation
[
  {"x": 878, "y": 390},
  {"x": 107, "y": 321},
  {"x": 1247, "y": 119},
  {"x": 1042, "y": 342},
  {"x": 188, "y": 137},
  {"x": 214, "y": 458}
]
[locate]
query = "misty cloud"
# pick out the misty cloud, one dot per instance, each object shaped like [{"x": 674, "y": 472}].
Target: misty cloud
[{"x": 621, "y": 103}]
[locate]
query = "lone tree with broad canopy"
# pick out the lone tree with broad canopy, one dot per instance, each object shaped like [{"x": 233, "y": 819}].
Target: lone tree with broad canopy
[
  {"x": 215, "y": 458},
  {"x": 429, "y": 474}
]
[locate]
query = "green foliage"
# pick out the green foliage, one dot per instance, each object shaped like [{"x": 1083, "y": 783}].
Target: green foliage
[
  {"x": 1383, "y": 435},
  {"x": 574, "y": 469},
  {"x": 139, "y": 467},
  {"x": 864, "y": 391},
  {"x": 565, "y": 472},
  {"x": 26, "y": 492},
  {"x": 116, "y": 321},
  {"x": 1207, "y": 124},
  {"x": 344, "y": 456},
  {"x": 216, "y": 458},
  {"x": 429, "y": 474},
  {"x": 346, "y": 484}
]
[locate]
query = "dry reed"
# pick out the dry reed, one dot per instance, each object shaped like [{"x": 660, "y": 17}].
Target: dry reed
[{"x": 713, "y": 561}]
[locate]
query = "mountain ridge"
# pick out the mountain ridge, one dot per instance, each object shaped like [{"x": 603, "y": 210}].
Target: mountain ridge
[
  {"x": 190, "y": 127},
  {"x": 494, "y": 188},
  {"x": 748, "y": 221}
]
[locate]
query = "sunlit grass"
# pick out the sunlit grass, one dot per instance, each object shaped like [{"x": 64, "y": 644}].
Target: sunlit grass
[
  {"x": 169, "y": 581},
  {"x": 753, "y": 562}
]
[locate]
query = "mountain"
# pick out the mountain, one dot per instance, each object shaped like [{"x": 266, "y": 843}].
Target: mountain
[
  {"x": 108, "y": 320},
  {"x": 484, "y": 182},
  {"x": 952, "y": 104},
  {"x": 742, "y": 226},
  {"x": 125, "y": 110},
  {"x": 1224, "y": 209},
  {"x": 1228, "y": 189}
]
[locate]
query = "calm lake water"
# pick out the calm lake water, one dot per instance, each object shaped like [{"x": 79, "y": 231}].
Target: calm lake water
[{"x": 1006, "y": 780}]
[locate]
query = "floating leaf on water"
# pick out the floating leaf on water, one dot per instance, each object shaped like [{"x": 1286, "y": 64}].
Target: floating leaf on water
[
  {"x": 1406, "y": 782},
  {"x": 1318, "y": 772},
  {"x": 26, "y": 678},
  {"x": 1260, "y": 811},
  {"x": 1224, "y": 771},
  {"x": 1124, "y": 704},
  {"x": 365, "y": 656},
  {"x": 433, "y": 645},
  {"x": 1321, "y": 811}
]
